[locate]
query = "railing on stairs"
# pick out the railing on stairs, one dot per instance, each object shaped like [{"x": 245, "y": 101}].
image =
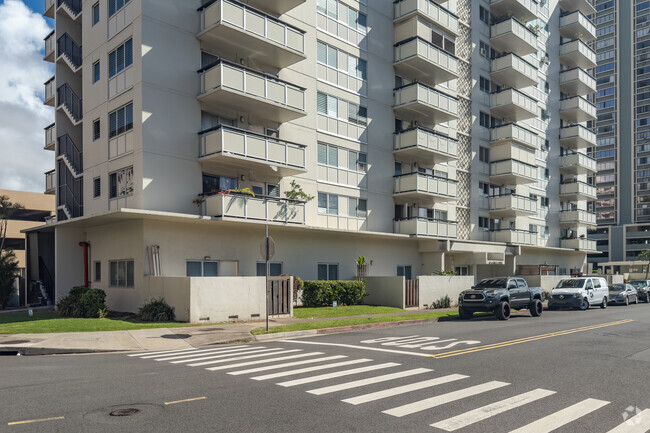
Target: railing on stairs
[
  {"x": 68, "y": 199},
  {"x": 73, "y": 5},
  {"x": 68, "y": 98},
  {"x": 68, "y": 149},
  {"x": 66, "y": 46},
  {"x": 46, "y": 278}
]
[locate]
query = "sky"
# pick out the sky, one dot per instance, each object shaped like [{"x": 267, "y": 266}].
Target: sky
[{"x": 23, "y": 161}]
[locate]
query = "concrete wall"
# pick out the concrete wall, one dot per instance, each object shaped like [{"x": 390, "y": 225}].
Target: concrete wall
[
  {"x": 386, "y": 291},
  {"x": 219, "y": 298},
  {"x": 176, "y": 292},
  {"x": 546, "y": 282},
  {"x": 435, "y": 287}
]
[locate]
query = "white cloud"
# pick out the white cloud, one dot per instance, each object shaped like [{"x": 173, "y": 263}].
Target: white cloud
[{"x": 22, "y": 113}]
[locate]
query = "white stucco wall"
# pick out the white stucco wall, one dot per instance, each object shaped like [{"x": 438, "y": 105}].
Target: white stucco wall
[
  {"x": 385, "y": 291},
  {"x": 434, "y": 287}
]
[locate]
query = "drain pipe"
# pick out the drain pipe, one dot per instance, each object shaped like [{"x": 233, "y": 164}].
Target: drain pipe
[{"x": 86, "y": 279}]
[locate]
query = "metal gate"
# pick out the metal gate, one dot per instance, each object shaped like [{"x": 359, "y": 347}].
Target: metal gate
[
  {"x": 411, "y": 293},
  {"x": 280, "y": 295}
]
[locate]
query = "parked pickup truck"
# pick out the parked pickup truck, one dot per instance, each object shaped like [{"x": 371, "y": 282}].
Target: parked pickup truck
[{"x": 500, "y": 296}]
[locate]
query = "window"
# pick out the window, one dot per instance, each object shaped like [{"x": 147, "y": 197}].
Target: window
[
  {"x": 357, "y": 207},
  {"x": 484, "y": 15},
  {"x": 120, "y": 120},
  {"x": 95, "y": 13},
  {"x": 202, "y": 268},
  {"x": 486, "y": 120},
  {"x": 484, "y": 154},
  {"x": 484, "y": 49},
  {"x": 404, "y": 271},
  {"x": 121, "y": 273},
  {"x": 483, "y": 224},
  {"x": 275, "y": 269},
  {"x": 96, "y": 129},
  {"x": 97, "y": 187},
  {"x": 357, "y": 114},
  {"x": 120, "y": 183},
  {"x": 327, "y": 105},
  {"x": 485, "y": 85},
  {"x": 96, "y": 70},
  {"x": 120, "y": 58},
  {"x": 212, "y": 184},
  {"x": 116, "y": 5},
  {"x": 328, "y": 204},
  {"x": 461, "y": 270},
  {"x": 98, "y": 271},
  {"x": 328, "y": 271},
  {"x": 484, "y": 189}
]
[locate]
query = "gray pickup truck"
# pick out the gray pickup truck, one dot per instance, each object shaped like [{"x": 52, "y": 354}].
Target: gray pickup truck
[{"x": 500, "y": 296}]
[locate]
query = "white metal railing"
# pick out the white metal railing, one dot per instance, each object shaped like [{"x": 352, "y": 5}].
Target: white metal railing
[
  {"x": 579, "y": 18},
  {"x": 579, "y": 244},
  {"x": 425, "y": 139},
  {"x": 514, "y": 236},
  {"x": 513, "y": 202},
  {"x": 418, "y": 92},
  {"x": 50, "y": 180},
  {"x": 254, "y": 208},
  {"x": 50, "y": 89},
  {"x": 253, "y": 146},
  {"x": 531, "y": 5},
  {"x": 577, "y": 74},
  {"x": 230, "y": 76},
  {"x": 253, "y": 22},
  {"x": 50, "y": 43},
  {"x": 419, "y": 47},
  {"x": 423, "y": 183},
  {"x": 577, "y": 46},
  {"x": 515, "y": 132},
  {"x": 578, "y": 103},
  {"x": 575, "y": 188},
  {"x": 578, "y": 131},
  {"x": 516, "y": 28},
  {"x": 578, "y": 217},
  {"x": 513, "y": 61},
  {"x": 50, "y": 135},
  {"x": 426, "y": 227},
  {"x": 430, "y": 9},
  {"x": 49, "y": 4},
  {"x": 514, "y": 97},
  {"x": 578, "y": 159},
  {"x": 513, "y": 167}
]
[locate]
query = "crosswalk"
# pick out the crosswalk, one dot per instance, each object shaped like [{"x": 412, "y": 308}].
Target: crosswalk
[{"x": 313, "y": 369}]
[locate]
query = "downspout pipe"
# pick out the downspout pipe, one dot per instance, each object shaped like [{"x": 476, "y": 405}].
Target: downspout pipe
[{"x": 85, "y": 245}]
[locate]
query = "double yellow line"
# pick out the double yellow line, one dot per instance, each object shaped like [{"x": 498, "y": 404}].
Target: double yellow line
[{"x": 527, "y": 339}]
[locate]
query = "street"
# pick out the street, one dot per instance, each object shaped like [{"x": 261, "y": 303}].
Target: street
[{"x": 568, "y": 371}]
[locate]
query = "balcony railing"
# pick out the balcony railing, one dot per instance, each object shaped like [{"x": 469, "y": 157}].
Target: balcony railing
[
  {"x": 578, "y": 189},
  {"x": 257, "y": 148},
  {"x": 73, "y": 5},
  {"x": 420, "y": 60},
  {"x": 69, "y": 150},
  {"x": 421, "y": 140},
  {"x": 66, "y": 46},
  {"x": 50, "y": 139},
  {"x": 416, "y": 101},
  {"x": 429, "y": 9},
  {"x": 513, "y": 236},
  {"x": 579, "y": 244},
  {"x": 577, "y": 81},
  {"x": 577, "y": 136},
  {"x": 419, "y": 226},
  {"x": 426, "y": 184},
  {"x": 510, "y": 35},
  {"x": 50, "y": 93},
  {"x": 515, "y": 171},
  {"x": 71, "y": 201},
  {"x": 585, "y": 6},
  {"x": 50, "y": 182},
  {"x": 50, "y": 46},
  {"x": 515, "y": 133},
  {"x": 49, "y": 8},
  {"x": 67, "y": 98},
  {"x": 513, "y": 71},
  {"x": 577, "y": 109},
  {"x": 513, "y": 203},
  {"x": 514, "y": 105},
  {"x": 578, "y": 162},
  {"x": 525, "y": 9},
  {"x": 577, "y": 217},
  {"x": 257, "y": 208},
  {"x": 576, "y": 25},
  {"x": 577, "y": 54}
]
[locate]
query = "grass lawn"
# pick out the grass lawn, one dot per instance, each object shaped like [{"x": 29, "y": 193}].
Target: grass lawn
[
  {"x": 354, "y": 321},
  {"x": 352, "y": 310},
  {"x": 49, "y": 321}
]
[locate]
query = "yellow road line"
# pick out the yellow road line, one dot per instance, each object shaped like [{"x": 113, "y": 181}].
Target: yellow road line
[
  {"x": 185, "y": 401},
  {"x": 527, "y": 339},
  {"x": 35, "y": 420}
]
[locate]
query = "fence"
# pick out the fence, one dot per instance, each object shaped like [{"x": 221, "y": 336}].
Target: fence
[{"x": 412, "y": 293}]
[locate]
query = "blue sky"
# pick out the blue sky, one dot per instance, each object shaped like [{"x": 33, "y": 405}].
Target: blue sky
[{"x": 35, "y": 5}]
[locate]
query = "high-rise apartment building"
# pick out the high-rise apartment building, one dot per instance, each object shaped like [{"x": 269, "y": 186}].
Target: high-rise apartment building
[{"x": 424, "y": 135}]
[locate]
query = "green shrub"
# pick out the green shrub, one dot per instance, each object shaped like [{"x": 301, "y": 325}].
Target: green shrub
[
  {"x": 157, "y": 310},
  {"x": 444, "y": 302},
  {"x": 324, "y": 293},
  {"x": 82, "y": 302}
]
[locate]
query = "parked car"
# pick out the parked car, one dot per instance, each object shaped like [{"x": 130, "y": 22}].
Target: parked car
[
  {"x": 579, "y": 293},
  {"x": 500, "y": 296},
  {"x": 623, "y": 294},
  {"x": 643, "y": 288}
]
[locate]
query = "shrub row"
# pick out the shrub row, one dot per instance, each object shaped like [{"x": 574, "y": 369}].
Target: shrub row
[
  {"x": 82, "y": 302},
  {"x": 324, "y": 293},
  {"x": 157, "y": 310}
]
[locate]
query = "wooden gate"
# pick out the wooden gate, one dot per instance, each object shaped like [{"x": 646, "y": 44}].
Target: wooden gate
[
  {"x": 280, "y": 295},
  {"x": 411, "y": 293}
]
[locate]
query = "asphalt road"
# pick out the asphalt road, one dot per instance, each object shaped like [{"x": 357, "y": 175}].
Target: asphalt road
[{"x": 566, "y": 372}]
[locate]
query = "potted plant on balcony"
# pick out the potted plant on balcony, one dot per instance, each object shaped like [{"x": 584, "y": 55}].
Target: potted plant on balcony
[{"x": 297, "y": 194}]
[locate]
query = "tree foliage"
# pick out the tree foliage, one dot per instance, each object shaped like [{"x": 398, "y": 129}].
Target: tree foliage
[
  {"x": 645, "y": 255},
  {"x": 8, "y": 261}
]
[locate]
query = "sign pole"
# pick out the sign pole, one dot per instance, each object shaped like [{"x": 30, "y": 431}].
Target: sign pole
[{"x": 266, "y": 258}]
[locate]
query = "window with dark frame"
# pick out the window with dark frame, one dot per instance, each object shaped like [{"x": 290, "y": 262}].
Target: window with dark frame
[
  {"x": 120, "y": 58},
  {"x": 95, "y": 13},
  {"x": 96, "y": 72},
  {"x": 98, "y": 271},
  {"x": 122, "y": 272},
  {"x": 328, "y": 271},
  {"x": 97, "y": 187},
  {"x": 120, "y": 120}
]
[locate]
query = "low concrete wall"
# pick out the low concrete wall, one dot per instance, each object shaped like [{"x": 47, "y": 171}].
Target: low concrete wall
[
  {"x": 546, "y": 282},
  {"x": 434, "y": 287},
  {"x": 222, "y": 297},
  {"x": 175, "y": 290},
  {"x": 385, "y": 291}
]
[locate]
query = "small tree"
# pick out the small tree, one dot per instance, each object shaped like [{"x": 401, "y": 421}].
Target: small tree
[
  {"x": 296, "y": 193},
  {"x": 8, "y": 262},
  {"x": 645, "y": 255}
]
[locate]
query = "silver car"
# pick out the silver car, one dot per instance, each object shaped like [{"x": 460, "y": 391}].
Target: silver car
[{"x": 623, "y": 294}]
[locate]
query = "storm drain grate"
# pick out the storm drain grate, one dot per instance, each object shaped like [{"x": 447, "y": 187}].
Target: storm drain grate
[{"x": 125, "y": 412}]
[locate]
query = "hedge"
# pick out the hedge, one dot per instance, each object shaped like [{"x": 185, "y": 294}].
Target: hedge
[
  {"x": 324, "y": 293},
  {"x": 82, "y": 302}
]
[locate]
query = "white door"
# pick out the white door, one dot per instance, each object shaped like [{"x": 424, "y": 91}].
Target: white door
[{"x": 599, "y": 291}]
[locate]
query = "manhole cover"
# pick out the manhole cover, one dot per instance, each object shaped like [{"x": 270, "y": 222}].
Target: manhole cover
[
  {"x": 14, "y": 342},
  {"x": 124, "y": 412}
]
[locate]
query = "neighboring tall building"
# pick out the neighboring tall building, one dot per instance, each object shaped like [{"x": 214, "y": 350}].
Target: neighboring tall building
[
  {"x": 431, "y": 135},
  {"x": 623, "y": 127}
]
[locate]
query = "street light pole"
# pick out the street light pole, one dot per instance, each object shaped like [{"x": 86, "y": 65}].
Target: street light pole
[{"x": 266, "y": 258}]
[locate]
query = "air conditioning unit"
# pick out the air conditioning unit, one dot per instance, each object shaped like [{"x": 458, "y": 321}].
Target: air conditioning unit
[{"x": 483, "y": 52}]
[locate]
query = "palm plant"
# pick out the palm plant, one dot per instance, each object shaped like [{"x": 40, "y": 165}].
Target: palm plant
[{"x": 645, "y": 255}]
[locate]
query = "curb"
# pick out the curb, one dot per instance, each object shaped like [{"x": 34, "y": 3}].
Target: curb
[{"x": 39, "y": 351}]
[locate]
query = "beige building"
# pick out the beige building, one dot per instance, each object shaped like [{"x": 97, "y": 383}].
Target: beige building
[{"x": 446, "y": 135}]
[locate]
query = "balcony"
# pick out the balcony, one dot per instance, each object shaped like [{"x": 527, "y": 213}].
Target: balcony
[
  {"x": 50, "y": 137},
  {"x": 525, "y": 9},
  {"x": 50, "y": 8},
  {"x": 263, "y": 154},
  {"x": 513, "y": 71},
  {"x": 584, "y": 6},
  {"x": 71, "y": 104},
  {"x": 577, "y": 54},
  {"x": 511, "y": 36},
  {"x": 428, "y": 10},
  {"x": 513, "y": 133},
  {"x": 242, "y": 32},
  {"x": 577, "y": 217},
  {"x": 277, "y": 7},
  {"x": 575, "y": 191},
  {"x": 578, "y": 244},
  {"x": 577, "y": 109},
  {"x": 69, "y": 51},
  {"x": 424, "y": 146},
  {"x": 512, "y": 172},
  {"x": 228, "y": 89},
  {"x": 577, "y": 82},
  {"x": 513, "y": 105},
  {"x": 246, "y": 207},
  {"x": 50, "y": 47},
  {"x": 72, "y": 7},
  {"x": 50, "y": 92},
  {"x": 577, "y": 137},
  {"x": 511, "y": 236},
  {"x": 421, "y": 61},
  {"x": 417, "y": 226},
  {"x": 416, "y": 101},
  {"x": 512, "y": 205},
  {"x": 50, "y": 182},
  {"x": 423, "y": 188},
  {"x": 576, "y": 25},
  {"x": 577, "y": 163}
]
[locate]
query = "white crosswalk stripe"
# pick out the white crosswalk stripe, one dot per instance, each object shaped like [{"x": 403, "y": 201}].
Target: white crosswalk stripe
[
  {"x": 369, "y": 381},
  {"x": 310, "y": 369},
  {"x": 243, "y": 356},
  {"x": 563, "y": 417},
  {"x": 373, "y": 396},
  {"x": 336, "y": 374},
  {"x": 439, "y": 400},
  {"x": 160, "y": 352},
  {"x": 639, "y": 423},
  {"x": 264, "y": 352},
  {"x": 261, "y": 361},
  {"x": 485, "y": 412},
  {"x": 288, "y": 364},
  {"x": 198, "y": 353}
]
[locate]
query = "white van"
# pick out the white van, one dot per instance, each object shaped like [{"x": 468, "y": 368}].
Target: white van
[{"x": 580, "y": 292}]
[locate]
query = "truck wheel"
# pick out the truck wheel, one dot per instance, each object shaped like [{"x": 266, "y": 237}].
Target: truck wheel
[
  {"x": 584, "y": 305},
  {"x": 647, "y": 298},
  {"x": 627, "y": 301},
  {"x": 603, "y": 304},
  {"x": 464, "y": 314},
  {"x": 536, "y": 308},
  {"x": 503, "y": 311}
]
